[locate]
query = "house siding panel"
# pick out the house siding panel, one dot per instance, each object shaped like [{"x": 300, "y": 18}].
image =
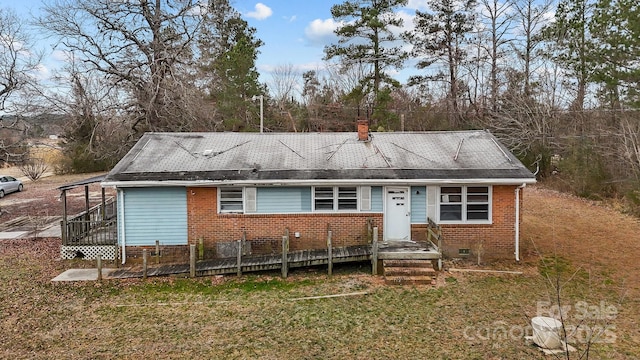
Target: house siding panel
[
  {"x": 284, "y": 200},
  {"x": 418, "y": 204},
  {"x": 376, "y": 199},
  {"x": 432, "y": 202},
  {"x": 155, "y": 214}
]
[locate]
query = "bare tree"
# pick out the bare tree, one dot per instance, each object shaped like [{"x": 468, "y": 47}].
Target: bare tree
[
  {"x": 531, "y": 17},
  {"x": 496, "y": 17},
  {"x": 284, "y": 80},
  {"x": 18, "y": 64},
  {"x": 143, "y": 48}
]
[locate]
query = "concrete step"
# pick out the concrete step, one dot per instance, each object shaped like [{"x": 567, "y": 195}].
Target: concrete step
[
  {"x": 409, "y": 280},
  {"x": 408, "y": 271},
  {"x": 408, "y": 263}
]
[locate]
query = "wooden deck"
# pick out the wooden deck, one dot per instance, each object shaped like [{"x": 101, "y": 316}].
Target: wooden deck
[
  {"x": 374, "y": 252},
  {"x": 295, "y": 259}
]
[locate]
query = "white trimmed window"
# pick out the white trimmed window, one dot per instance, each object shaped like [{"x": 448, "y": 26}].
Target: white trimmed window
[
  {"x": 335, "y": 198},
  {"x": 231, "y": 200},
  {"x": 465, "y": 204}
]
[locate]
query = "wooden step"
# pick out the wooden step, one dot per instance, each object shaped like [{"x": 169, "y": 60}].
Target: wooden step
[
  {"x": 408, "y": 271},
  {"x": 409, "y": 280}
]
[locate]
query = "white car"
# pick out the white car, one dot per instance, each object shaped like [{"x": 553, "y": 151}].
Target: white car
[{"x": 9, "y": 184}]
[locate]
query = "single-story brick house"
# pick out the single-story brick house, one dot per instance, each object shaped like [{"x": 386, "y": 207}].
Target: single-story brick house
[{"x": 191, "y": 188}]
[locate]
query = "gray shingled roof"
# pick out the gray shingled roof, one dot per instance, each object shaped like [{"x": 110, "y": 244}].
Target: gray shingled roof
[{"x": 305, "y": 156}]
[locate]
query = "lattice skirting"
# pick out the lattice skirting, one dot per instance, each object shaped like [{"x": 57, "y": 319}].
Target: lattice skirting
[{"x": 88, "y": 252}]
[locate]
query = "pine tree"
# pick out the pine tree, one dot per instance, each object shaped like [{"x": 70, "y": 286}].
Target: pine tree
[
  {"x": 440, "y": 37},
  {"x": 615, "y": 28},
  {"x": 572, "y": 44},
  {"x": 228, "y": 52},
  {"x": 366, "y": 36}
]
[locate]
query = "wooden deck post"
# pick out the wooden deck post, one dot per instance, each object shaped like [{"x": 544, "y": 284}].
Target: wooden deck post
[
  {"x": 99, "y": 265},
  {"x": 64, "y": 218},
  {"x": 285, "y": 250},
  {"x": 192, "y": 260},
  {"x": 374, "y": 252},
  {"x": 145, "y": 256},
  {"x": 329, "y": 254},
  {"x": 86, "y": 228},
  {"x": 239, "y": 258},
  {"x": 103, "y": 206},
  {"x": 157, "y": 251}
]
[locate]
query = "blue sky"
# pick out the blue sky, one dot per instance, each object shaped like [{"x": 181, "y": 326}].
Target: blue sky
[{"x": 294, "y": 32}]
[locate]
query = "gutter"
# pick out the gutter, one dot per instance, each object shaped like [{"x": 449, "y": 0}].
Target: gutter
[
  {"x": 517, "y": 224},
  {"x": 310, "y": 182},
  {"x": 123, "y": 231}
]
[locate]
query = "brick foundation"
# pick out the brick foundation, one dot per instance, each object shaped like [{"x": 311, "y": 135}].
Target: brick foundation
[{"x": 168, "y": 254}]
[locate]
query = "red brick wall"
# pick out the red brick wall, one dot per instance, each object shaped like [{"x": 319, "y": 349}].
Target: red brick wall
[
  {"x": 495, "y": 241},
  {"x": 265, "y": 231}
]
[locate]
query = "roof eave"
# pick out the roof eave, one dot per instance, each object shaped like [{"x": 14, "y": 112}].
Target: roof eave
[{"x": 309, "y": 182}]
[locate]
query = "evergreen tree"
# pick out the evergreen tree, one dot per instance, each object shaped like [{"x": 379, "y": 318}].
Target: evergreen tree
[
  {"x": 366, "y": 36},
  {"x": 572, "y": 44},
  {"x": 440, "y": 37},
  {"x": 228, "y": 52},
  {"x": 615, "y": 27}
]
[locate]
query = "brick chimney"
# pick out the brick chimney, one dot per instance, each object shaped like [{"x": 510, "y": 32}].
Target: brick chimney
[{"x": 363, "y": 130}]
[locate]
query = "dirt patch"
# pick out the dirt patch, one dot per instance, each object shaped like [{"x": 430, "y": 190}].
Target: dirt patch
[{"x": 42, "y": 197}]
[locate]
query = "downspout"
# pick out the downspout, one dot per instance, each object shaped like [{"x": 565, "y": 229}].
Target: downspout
[
  {"x": 517, "y": 224},
  {"x": 122, "y": 229}
]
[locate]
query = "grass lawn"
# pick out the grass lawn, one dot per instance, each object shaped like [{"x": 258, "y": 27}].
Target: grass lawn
[{"x": 468, "y": 316}]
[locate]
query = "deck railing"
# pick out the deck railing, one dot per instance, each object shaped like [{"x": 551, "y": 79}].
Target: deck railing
[
  {"x": 94, "y": 227},
  {"x": 434, "y": 232}
]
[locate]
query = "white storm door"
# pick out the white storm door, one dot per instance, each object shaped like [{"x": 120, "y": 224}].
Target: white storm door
[{"x": 397, "y": 217}]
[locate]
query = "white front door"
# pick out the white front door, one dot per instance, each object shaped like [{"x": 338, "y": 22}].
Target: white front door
[{"x": 397, "y": 217}]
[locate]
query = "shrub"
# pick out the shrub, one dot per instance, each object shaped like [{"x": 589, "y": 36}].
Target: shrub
[{"x": 34, "y": 169}]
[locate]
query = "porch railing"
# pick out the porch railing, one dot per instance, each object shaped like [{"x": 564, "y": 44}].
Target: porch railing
[
  {"x": 434, "y": 232},
  {"x": 94, "y": 227}
]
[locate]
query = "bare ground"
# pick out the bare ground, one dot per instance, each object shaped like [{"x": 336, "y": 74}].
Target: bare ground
[
  {"x": 42, "y": 197},
  {"x": 253, "y": 317}
]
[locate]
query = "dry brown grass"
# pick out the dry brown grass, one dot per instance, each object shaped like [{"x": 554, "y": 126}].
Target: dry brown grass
[
  {"x": 42, "y": 197},
  {"x": 254, "y": 317}
]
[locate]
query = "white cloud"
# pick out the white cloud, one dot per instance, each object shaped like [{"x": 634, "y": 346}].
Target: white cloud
[
  {"x": 290, "y": 18},
  {"x": 418, "y": 4},
  {"x": 261, "y": 12},
  {"x": 407, "y": 21},
  {"x": 299, "y": 68},
  {"x": 321, "y": 32},
  {"x": 61, "y": 55}
]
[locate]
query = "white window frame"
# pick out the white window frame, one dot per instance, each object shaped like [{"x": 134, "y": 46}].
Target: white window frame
[
  {"x": 464, "y": 203},
  {"x": 336, "y": 199},
  {"x": 221, "y": 200}
]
